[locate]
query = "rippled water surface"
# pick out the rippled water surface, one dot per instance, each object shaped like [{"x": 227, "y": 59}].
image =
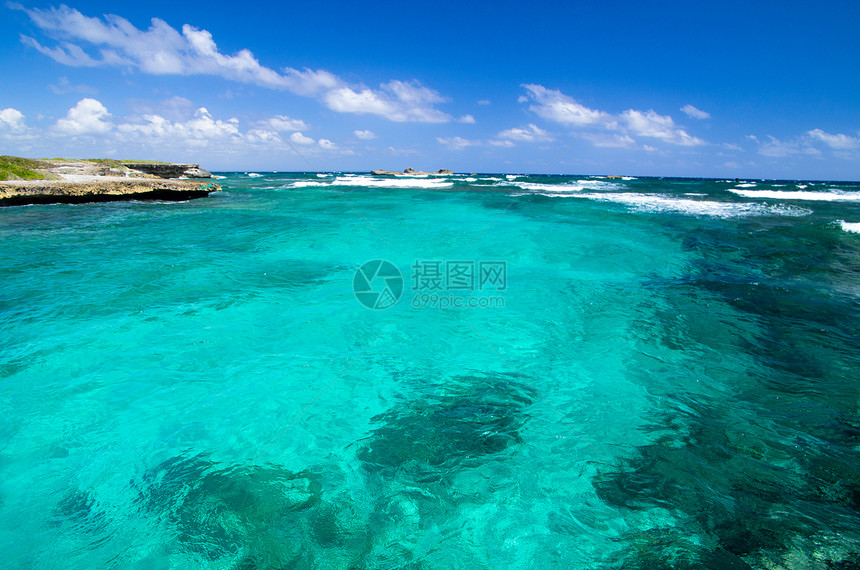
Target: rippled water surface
[{"x": 667, "y": 376}]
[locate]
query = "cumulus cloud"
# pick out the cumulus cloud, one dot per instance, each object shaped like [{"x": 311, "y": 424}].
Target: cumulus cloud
[
  {"x": 530, "y": 133},
  {"x": 398, "y": 101},
  {"x": 555, "y": 106},
  {"x": 301, "y": 139},
  {"x": 650, "y": 124},
  {"x": 201, "y": 129},
  {"x": 285, "y": 123},
  {"x": 467, "y": 119},
  {"x": 836, "y": 142},
  {"x": 365, "y": 135},
  {"x": 87, "y": 117},
  {"x": 197, "y": 132},
  {"x": 694, "y": 113},
  {"x": 12, "y": 120},
  {"x": 163, "y": 50}
]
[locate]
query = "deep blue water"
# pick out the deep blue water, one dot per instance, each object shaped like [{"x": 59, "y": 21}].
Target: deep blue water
[{"x": 560, "y": 372}]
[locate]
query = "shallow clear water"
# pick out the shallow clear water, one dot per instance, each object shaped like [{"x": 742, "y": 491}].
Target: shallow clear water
[{"x": 666, "y": 376}]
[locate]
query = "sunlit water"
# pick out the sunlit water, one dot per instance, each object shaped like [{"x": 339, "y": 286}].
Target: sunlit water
[{"x": 667, "y": 376}]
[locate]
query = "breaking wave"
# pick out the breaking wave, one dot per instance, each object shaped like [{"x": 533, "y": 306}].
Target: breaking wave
[
  {"x": 853, "y": 227},
  {"x": 827, "y": 196}
]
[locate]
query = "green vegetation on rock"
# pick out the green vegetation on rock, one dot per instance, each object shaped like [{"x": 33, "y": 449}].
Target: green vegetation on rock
[{"x": 16, "y": 168}]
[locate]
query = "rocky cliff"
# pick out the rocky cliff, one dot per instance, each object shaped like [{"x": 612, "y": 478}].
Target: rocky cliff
[
  {"x": 169, "y": 170},
  {"x": 111, "y": 189}
]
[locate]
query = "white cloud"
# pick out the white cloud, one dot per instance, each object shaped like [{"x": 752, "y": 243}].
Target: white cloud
[
  {"x": 610, "y": 140},
  {"x": 301, "y": 139},
  {"x": 398, "y": 101},
  {"x": 555, "y": 106},
  {"x": 365, "y": 135},
  {"x": 87, "y": 117},
  {"x": 12, "y": 120},
  {"x": 201, "y": 130},
  {"x": 285, "y": 123},
  {"x": 457, "y": 143},
  {"x": 484, "y": 102},
  {"x": 163, "y": 50},
  {"x": 503, "y": 144},
  {"x": 837, "y": 142},
  {"x": 530, "y": 133},
  {"x": 66, "y": 53},
  {"x": 650, "y": 124},
  {"x": 346, "y": 100},
  {"x": 467, "y": 119},
  {"x": 694, "y": 113},
  {"x": 160, "y": 50},
  {"x": 195, "y": 137}
]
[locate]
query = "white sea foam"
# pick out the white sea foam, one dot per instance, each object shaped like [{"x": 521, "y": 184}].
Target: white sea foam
[
  {"x": 567, "y": 187},
  {"x": 802, "y": 186},
  {"x": 629, "y": 178},
  {"x": 850, "y": 226},
  {"x": 747, "y": 185},
  {"x": 658, "y": 203},
  {"x": 217, "y": 177},
  {"x": 307, "y": 184},
  {"x": 540, "y": 188},
  {"x": 322, "y": 175},
  {"x": 512, "y": 176},
  {"x": 491, "y": 178},
  {"x": 834, "y": 195},
  {"x": 369, "y": 182},
  {"x": 470, "y": 179},
  {"x": 254, "y": 175}
]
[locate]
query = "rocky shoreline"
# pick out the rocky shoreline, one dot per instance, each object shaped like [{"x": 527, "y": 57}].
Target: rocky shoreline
[{"x": 77, "y": 182}]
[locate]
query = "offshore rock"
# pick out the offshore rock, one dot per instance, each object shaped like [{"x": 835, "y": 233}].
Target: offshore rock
[{"x": 412, "y": 172}]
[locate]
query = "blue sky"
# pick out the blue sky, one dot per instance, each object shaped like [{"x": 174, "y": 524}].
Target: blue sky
[{"x": 730, "y": 89}]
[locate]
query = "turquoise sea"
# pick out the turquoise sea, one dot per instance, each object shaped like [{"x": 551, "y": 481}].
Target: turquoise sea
[{"x": 556, "y": 372}]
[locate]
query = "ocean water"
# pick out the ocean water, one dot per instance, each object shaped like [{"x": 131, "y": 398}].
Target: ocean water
[{"x": 554, "y": 372}]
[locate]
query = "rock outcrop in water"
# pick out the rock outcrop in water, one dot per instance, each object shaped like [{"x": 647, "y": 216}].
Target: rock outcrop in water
[{"x": 412, "y": 172}]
